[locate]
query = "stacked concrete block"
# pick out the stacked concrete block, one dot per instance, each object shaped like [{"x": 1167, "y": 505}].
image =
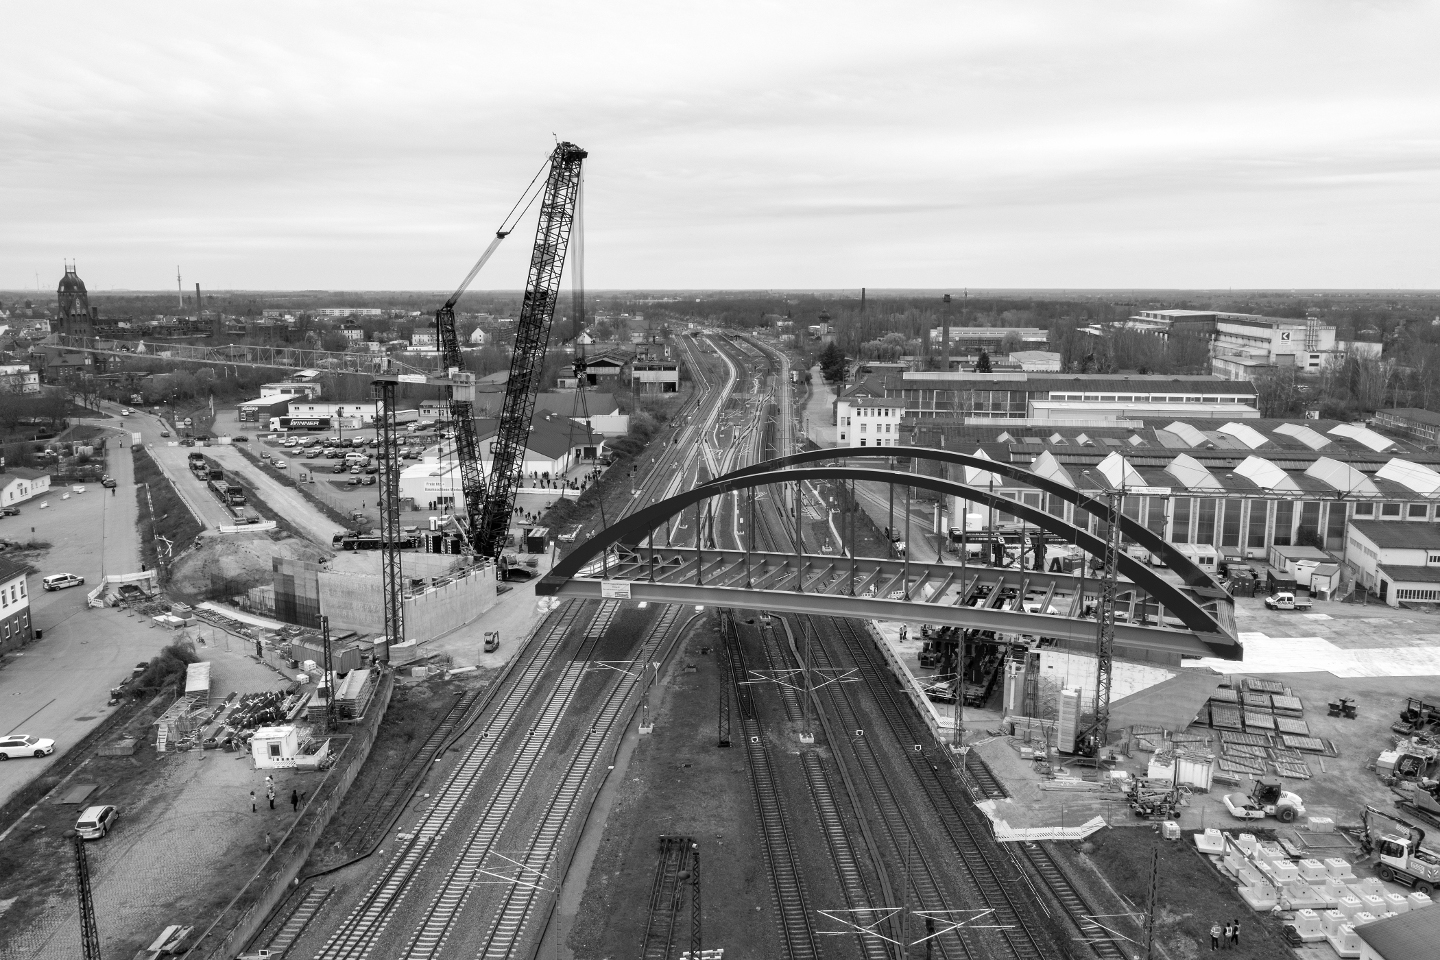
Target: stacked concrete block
[
  {"x": 1339, "y": 868},
  {"x": 1419, "y": 901},
  {"x": 1369, "y": 887},
  {"x": 1332, "y": 921},
  {"x": 1212, "y": 841},
  {"x": 1321, "y": 825},
  {"x": 1308, "y": 926},
  {"x": 1345, "y": 942},
  {"x": 1284, "y": 872},
  {"x": 1301, "y": 894},
  {"x": 1313, "y": 871},
  {"x": 1261, "y": 896},
  {"x": 1333, "y": 889},
  {"x": 1349, "y": 906},
  {"x": 1247, "y": 843},
  {"x": 1397, "y": 903},
  {"x": 1374, "y": 904}
]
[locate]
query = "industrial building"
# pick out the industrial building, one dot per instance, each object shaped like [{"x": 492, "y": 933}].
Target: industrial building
[
  {"x": 1245, "y": 486},
  {"x": 1398, "y": 561},
  {"x": 989, "y": 339},
  {"x": 1050, "y": 397},
  {"x": 868, "y": 421},
  {"x": 554, "y": 445},
  {"x": 1424, "y": 425},
  {"x": 1243, "y": 345}
]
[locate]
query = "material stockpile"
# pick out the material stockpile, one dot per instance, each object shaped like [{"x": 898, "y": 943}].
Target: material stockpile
[
  {"x": 1327, "y": 899},
  {"x": 352, "y": 695}
]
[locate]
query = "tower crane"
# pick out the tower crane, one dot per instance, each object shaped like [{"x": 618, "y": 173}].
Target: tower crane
[{"x": 488, "y": 508}]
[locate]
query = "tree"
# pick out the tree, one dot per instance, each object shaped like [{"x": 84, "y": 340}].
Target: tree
[
  {"x": 333, "y": 341},
  {"x": 1275, "y": 392},
  {"x": 983, "y": 364},
  {"x": 1010, "y": 343},
  {"x": 832, "y": 363}
]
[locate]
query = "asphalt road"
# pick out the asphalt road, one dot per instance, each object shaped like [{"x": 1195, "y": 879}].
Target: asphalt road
[{"x": 58, "y": 686}]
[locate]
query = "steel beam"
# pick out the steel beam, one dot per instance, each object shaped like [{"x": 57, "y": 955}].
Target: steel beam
[{"x": 1155, "y": 639}]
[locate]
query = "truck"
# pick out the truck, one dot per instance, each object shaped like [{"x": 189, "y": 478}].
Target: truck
[
  {"x": 1401, "y": 858},
  {"x": 1287, "y": 601}
]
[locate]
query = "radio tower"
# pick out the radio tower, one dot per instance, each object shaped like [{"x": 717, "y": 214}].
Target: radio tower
[
  {"x": 89, "y": 934},
  {"x": 179, "y": 289}
]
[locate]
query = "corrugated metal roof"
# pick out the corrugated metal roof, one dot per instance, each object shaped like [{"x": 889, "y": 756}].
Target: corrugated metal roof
[{"x": 1408, "y": 936}]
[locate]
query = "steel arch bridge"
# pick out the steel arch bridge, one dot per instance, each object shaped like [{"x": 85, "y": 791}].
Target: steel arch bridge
[{"x": 1194, "y": 618}]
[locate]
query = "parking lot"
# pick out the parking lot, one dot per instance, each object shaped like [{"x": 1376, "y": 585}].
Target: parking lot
[{"x": 58, "y": 686}]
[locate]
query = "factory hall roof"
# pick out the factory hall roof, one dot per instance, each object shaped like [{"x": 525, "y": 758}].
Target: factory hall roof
[
  {"x": 1407, "y": 936},
  {"x": 1404, "y": 535}
]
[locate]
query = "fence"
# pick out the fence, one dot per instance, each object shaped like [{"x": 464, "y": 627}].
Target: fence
[{"x": 246, "y": 914}]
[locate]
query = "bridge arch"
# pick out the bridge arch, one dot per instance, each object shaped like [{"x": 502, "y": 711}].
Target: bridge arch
[
  {"x": 1217, "y": 638},
  {"x": 1142, "y": 535}
]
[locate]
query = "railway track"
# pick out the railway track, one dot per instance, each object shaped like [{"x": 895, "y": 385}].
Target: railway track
[
  {"x": 368, "y": 919},
  {"x": 838, "y": 840},
  {"x": 470, "y": 867},
  {"x": 381, "y": 809},
  {"x": 542, "y": 858},
  {"x": 787, "y": 886},
  {"x": 667, "y": 898},
  {"x": 1004, "y": 885}
]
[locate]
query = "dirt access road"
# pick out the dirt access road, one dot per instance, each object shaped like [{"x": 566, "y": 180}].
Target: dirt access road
[{"x": 283, "y": 499}]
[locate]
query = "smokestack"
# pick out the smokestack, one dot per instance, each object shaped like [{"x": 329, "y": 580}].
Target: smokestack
[
  {"x": 197, "y": 305},
  {"x": 862, "y": 299}
]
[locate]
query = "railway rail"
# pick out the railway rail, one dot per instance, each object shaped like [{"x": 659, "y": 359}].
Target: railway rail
[
  {"x": 667, "y": 897},
  {"x": 787, "y": 884},
  {"x": 364, "y": 924},
  {"x": 542, "y": 858}
]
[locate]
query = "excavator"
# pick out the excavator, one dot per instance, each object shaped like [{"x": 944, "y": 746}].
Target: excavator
[{"x": 1402, "y": 858}]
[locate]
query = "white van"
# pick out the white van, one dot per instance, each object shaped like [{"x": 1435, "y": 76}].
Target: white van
[{"x": 59, "y": 581}]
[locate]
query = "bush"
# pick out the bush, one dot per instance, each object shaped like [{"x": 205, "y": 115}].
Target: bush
[{"x": 168, "y": 667}]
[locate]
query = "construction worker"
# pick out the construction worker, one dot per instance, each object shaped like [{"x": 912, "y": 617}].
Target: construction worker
[{"x": 1214, "y": 936}]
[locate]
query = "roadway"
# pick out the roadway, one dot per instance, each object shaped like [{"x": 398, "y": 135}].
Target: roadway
[
  {"x": 58, "y": 686},
  {"x": 284, "y": 499}
]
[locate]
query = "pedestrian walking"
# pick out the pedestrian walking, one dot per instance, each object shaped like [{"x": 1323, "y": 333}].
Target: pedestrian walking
[
  {"x": 253, "y": 808},
  {"x": 268, "y": 842},
  {"x": 1214, "y": 936},
  {"x": 271, "y": 796},
  {"x": 1235, "y": 934},
  {"x": 295, "y": 800},
  {"x": 302, "y": 796}
]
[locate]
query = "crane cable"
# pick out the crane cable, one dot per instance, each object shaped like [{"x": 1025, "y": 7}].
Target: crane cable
[{"x": 512, "y": 219}]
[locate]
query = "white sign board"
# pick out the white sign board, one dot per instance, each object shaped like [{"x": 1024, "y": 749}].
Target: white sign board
[
  {"x": 411, "y": 378},
  {"x": 615, "y": 589},
  {"x": 135, "y": 438},
  {"x": 1149, "y": 491}
]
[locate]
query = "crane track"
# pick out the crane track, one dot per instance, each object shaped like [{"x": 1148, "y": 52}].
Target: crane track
[
  {"x": 358, "y": 931},
  {"x": 787, "y": 886},
  {"x": 542, "y": 856}
]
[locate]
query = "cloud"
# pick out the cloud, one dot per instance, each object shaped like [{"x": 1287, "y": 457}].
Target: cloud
[{"x": 745, "y": 144}]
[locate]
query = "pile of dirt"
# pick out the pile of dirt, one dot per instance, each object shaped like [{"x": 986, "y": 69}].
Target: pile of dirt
[{"x": 240, "y": 561}]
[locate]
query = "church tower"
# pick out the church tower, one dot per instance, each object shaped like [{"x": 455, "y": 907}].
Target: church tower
[{"x": 75, "y": 317}]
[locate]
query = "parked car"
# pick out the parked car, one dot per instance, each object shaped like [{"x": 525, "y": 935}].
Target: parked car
[
  {"x": 164, "y": 433},
  {"x": 95, "y": 822},
  {"x": 354, "y": 482},
  {"x": 23, "y": 745},
  {"x": 239, "y": 439},
  {"x": 370, "y": 481},
  {"x": 125, "y": 413},
  {"x": 264, "y": 454},
  {"x": 356, "y": 469},
  {"x": 372, "y": 468},
  {"x": 59, "y": 581},
  {"x": 338, "y": 468},
  {"x": 10, "y": 512}
]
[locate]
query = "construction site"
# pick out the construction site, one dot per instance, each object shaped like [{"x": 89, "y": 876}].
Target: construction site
[{"x": 753, "y": 701}]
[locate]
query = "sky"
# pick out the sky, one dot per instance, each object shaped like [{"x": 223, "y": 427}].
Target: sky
[{"x": 736, "y": 145}]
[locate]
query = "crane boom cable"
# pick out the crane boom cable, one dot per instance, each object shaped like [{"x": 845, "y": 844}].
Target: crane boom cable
[{"x": 510, "y": 218}]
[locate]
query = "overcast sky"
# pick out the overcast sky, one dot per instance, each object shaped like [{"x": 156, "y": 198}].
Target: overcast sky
[{"x": 760, "y": 145}]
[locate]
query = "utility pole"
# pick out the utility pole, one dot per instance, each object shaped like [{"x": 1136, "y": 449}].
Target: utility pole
[
  {"x": 329, "y": 676},
  {"x": 1105, "y": 620},
  {"x": 89, "y": 933}
]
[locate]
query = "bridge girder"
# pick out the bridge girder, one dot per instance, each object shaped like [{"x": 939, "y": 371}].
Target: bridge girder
[{"x": 1205, "y": 633}]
